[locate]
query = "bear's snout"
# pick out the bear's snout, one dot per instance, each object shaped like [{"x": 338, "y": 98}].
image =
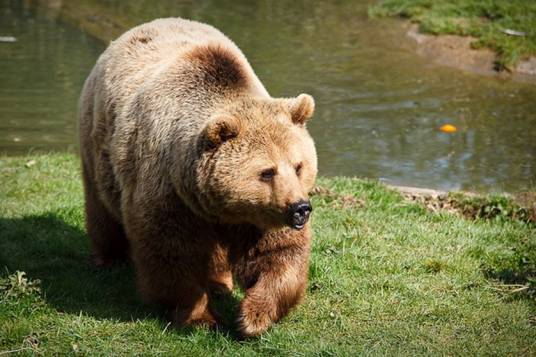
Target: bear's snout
[{"x": 298, "y": 214}]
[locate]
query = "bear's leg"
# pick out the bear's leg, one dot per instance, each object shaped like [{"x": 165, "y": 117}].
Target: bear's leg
[
  {"x": 179, "y": 283},
  {"x": 108, "y": 241},
  {"x": 194, "y": 309},
  {"x": 274, "y": 293},
  {"x": 172, "y": 249},
  {"x": 221, "y": 276}
]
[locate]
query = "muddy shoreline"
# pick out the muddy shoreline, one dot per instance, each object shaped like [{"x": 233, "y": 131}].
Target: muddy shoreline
[{"x": 457, "y": 52}]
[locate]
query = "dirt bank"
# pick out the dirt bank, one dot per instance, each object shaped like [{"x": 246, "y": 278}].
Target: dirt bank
[
  {"x": 520, "y": 206},
  {"x": 456, "y": 51}
]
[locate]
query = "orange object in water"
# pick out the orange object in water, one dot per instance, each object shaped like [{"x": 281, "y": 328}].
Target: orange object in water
[{"x": 448, "y": 128}]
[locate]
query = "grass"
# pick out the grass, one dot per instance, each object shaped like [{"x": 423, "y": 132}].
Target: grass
[
  {"x": 484, "y": 19},
  {"x": 387, "y": 277}
]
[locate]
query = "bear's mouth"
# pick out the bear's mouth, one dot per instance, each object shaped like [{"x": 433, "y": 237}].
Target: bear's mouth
[
  {"x": 298, "y": 226},
  {"x": 298, "y": 214},
  {"x": 298, "y": 221}
]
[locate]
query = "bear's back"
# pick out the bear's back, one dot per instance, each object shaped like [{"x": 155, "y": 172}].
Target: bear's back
[
  {"x": 160, "y": 40},
  {"x": 168, "y": 59},
  {"x": 149, "y": 49}
]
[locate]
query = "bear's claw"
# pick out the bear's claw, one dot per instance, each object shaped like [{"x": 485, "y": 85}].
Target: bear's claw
[{"x": 253, "y": 319}]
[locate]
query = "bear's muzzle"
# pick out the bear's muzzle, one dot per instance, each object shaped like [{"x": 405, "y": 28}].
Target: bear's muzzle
[{"x": 298, "y": 214}]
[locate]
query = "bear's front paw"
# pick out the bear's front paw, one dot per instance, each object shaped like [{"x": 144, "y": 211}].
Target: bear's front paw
[{"x": 255, "y": 317}]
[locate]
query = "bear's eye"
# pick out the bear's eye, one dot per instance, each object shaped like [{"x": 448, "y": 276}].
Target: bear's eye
[
  {"x": 298, "y": 169},
  {"x": 267, "y": 175}
]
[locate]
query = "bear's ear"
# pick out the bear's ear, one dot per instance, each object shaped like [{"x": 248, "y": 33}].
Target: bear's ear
[
  {"x": 301, "y": 108},
  {"x": 221, "y": 129}
]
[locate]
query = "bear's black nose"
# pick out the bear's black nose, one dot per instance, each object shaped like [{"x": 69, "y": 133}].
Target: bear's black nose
[{"x": 298, "y": 214}]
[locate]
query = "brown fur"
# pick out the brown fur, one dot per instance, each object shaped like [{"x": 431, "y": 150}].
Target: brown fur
[
  {"x": 175, "y": 131},
  {"x": 218, "y": 67}
]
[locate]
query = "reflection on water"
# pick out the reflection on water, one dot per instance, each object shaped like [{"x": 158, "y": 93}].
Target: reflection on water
[
  {"x": 40, "y": 78},
  {"x": 379, "y": 105}
]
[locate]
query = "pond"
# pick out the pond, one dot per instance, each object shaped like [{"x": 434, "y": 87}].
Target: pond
[{"x": 379, "y": 105}]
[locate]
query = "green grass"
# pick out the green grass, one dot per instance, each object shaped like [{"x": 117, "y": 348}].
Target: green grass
[
  {"x": 386, "y": 277},
  {"x": 484, "y": 19}
]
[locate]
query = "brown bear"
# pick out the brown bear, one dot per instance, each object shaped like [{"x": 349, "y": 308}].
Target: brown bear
[{"x": 193, "y": 171}]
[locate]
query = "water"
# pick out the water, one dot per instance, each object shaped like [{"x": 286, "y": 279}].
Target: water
[
  {"x": 379, "y": 105},
  {"x": 40, "y": 78}
]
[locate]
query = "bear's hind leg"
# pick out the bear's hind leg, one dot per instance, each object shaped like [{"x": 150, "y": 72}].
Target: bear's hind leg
[{"x": 108, "y": 241}]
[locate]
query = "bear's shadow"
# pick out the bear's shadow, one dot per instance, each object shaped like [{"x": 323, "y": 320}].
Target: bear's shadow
[{"x": 57, "y": 253}]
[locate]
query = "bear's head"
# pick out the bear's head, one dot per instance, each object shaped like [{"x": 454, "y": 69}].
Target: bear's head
[{"x": 258, "y": 162}]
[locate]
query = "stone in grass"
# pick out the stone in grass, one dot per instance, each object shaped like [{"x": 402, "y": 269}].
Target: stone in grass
[{"x": 7, "y": 39}]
